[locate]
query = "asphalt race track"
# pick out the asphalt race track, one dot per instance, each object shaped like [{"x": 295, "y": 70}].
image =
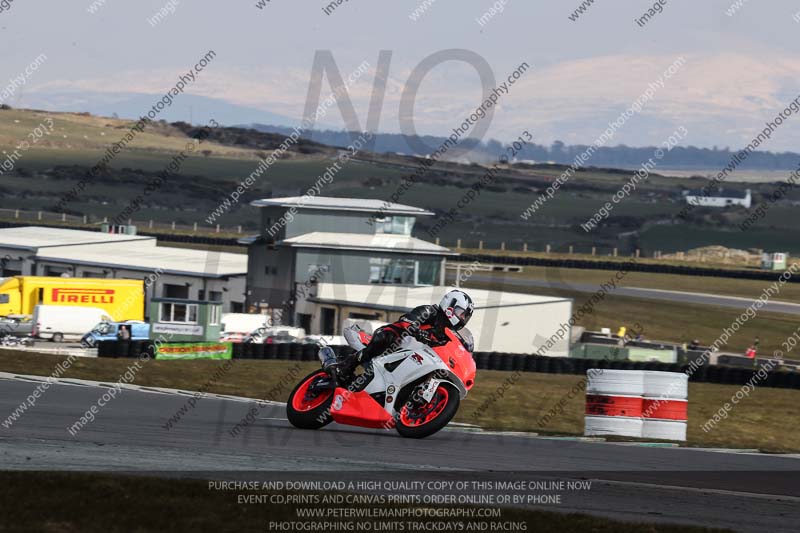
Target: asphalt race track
[{"x": 746, "y": 492}]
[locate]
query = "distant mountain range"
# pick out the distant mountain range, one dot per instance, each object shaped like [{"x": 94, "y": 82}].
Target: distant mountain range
[
  {"x": 200, "y": 109},
  {"x": 621, "y": 156}
]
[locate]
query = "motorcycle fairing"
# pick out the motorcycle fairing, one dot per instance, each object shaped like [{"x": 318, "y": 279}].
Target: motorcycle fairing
[
  {"x": 415, "y": 364},
  {"x": 359, "y": 409}
]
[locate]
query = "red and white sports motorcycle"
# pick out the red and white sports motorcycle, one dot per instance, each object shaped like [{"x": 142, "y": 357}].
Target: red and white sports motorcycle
[{"x": 415, "y": 389}]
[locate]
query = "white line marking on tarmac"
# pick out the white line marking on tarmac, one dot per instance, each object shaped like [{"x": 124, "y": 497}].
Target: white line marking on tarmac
[{"x": 139, "y": 388}]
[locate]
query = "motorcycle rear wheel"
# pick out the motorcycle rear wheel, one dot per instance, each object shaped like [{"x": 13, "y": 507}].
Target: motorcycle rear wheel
[
  {"x": 425, "y": 420},
  {"x": 307, "y": 410}
]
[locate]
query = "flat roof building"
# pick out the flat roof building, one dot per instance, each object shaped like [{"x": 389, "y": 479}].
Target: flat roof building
[
  {"x": 23, "y": 242},
  {"x": 355, "y": 205},
  {"x": 502, "y": 322},
  {"x": 178, "y": 272}
]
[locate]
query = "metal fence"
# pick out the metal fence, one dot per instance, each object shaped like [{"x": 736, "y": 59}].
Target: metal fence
[{"x": 48, "y": 217}]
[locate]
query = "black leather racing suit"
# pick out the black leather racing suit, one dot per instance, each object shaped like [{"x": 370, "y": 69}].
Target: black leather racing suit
[{"x": 425, "y": 323}]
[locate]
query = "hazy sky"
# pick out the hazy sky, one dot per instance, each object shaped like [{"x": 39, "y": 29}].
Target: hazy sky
[{"x": 739, "y": 70}]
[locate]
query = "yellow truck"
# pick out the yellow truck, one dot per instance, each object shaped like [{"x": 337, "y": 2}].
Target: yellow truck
[{"x": 122, "y": 299}]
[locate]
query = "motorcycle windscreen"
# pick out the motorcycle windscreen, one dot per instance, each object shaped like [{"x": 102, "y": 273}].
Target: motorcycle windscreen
[{"x": 458, "y": 358}]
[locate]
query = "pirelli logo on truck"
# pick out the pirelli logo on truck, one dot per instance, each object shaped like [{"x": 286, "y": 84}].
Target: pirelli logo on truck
[{"x": 83, "y": 296}]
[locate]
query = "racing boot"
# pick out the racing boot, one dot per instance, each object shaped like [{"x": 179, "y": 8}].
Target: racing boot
[
  {"x": 346, "y": 366},
  {"x": 341, "y": 367}
]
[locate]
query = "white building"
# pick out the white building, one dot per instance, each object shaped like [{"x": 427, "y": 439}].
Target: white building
[
  {"x": 502, "y": 322},
  {"x": 179, "y": 272},
  {"x": 774, "y": 260},
  {"x": 345, "y": 240},
  {"x": 720, "y": 198}
]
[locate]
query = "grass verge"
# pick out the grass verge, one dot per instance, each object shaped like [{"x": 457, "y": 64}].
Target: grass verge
[{"x": 500, "y": 400}]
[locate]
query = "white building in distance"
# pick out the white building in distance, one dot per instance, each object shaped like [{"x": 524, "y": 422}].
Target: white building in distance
[{"x": 720, "y": 198}]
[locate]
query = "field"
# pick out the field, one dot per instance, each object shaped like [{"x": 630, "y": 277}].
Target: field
[
  {"x": 743, "y": 288},
  {"x": 645, "y": 220},
  {"x": 757, "y": 422},
  {"x": 673, "y": 321}
]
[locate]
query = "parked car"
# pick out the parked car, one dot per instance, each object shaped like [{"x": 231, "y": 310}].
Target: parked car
[
  {"x": 281, "y": 338},
  {"x": 59, "y": 322},
  {"x": 107, "y": 331},
  {"x": 325, "y": 340},
  {"x": 16, "y": 325},
  {"x": 276, "y": 335},
  {"x": 233, "y": 336}
]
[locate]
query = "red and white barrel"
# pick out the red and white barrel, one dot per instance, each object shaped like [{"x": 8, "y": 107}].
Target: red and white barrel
[
  {"x": 636, "y": 403},
  {"x": 665, "y": 410},
  {"x": 614, "y": 403}
]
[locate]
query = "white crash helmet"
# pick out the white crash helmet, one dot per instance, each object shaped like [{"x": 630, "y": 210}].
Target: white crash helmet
[{"x": 457, "y": 307}]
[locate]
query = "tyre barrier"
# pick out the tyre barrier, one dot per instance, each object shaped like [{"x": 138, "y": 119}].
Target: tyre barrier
[
  {"x": 291, "y": 351},
  {"x": 518, "y": 362},
  {"x": 495, "y": 361},
  {"x": 259, "y": 351},
  {"x": 106, "y": 349},
  {"x": 543, "y": 365},
  {"x": 481, "y": 360},
  {"x": 270, "y": 351},
  {"x": 237, "y": 350},
  {"x": 502, "y": 362},
  {"x": 125, "y": 349},
  {"x": 295, "y": 351},
  {"x": 281, "y": 351},
  {"x": 736, "y": 360},
  {"x": 636, "y": 403},
  {"x": 309, "y": 352}
]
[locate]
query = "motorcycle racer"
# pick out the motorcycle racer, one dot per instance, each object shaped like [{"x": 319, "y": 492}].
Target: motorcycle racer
[{"x": 426, "y": 323}]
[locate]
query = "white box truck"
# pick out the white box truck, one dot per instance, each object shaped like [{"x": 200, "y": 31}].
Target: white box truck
[
  {"x": 59, "y": 322},
  {"x": 237, "y": 326}
]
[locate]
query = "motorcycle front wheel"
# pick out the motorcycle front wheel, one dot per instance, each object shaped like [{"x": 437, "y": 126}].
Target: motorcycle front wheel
[
  {"x": 309, "y": 409},
  {"x": 420, "y": 421}
]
